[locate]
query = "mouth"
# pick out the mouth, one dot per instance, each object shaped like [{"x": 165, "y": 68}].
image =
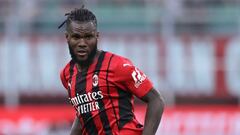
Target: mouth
[{"x": 82, "y": 53}]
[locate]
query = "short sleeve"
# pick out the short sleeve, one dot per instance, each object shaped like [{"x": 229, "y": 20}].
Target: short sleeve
[
  {"x": 63, "y": 79},
  {"x": 132, "y": 78}
]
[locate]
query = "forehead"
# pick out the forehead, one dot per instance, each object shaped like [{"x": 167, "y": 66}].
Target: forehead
[{"x": 81, "y": 27}]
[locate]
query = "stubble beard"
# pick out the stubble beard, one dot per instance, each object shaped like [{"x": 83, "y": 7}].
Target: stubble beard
[{"x": 83, "y": 62}]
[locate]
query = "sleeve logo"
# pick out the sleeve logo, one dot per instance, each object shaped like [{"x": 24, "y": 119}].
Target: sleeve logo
[
  {"x": 138, "y": 77},
  {"x": 126, "y": 64}
]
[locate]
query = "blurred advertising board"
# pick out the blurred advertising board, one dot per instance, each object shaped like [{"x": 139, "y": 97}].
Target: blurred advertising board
[{"x": 178, "y": 120}]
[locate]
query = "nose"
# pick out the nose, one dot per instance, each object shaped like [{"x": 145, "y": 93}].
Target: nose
[{"x": 82, "y": 43}]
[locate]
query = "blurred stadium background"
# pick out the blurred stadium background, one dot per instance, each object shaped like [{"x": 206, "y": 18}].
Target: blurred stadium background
[{"x": 189, "y": 48}]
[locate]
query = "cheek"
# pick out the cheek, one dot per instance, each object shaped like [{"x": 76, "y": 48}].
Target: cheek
[
  {"x": 72, "y": 43},
  {"x": 92, "y": 43},
  {"x": 71, "y": 47}
]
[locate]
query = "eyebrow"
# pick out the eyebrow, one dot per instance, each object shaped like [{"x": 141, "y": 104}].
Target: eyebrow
[
  {"x": 82, "y": 34},
  {"x": 85, "y": 32}
]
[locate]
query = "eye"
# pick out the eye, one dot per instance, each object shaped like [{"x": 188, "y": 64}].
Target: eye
[
  {"x": 75, "y": 36},
  {"x": 88, "y": 37}
]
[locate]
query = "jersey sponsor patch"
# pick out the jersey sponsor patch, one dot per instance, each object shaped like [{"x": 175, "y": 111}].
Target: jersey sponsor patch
[
  {"x": 88, "y": 102},
  {"x": 138, "y": 77},
  {"x": 126, "y": 64}
]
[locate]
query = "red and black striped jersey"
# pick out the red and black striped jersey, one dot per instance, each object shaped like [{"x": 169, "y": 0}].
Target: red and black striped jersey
[{"x": 103, "y": 94}]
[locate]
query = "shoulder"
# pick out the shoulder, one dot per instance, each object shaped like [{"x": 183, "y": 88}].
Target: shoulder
[
  {"x": 118, "y": 61},
  {"x": 120, "y": 66},
  {"x": 65, "y": 71}
]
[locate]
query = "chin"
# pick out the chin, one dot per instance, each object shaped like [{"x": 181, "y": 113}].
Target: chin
[{"x": 82, "y": 59}]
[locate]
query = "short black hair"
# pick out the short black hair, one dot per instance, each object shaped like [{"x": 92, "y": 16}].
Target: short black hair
[{"x": 80, "y": 15}]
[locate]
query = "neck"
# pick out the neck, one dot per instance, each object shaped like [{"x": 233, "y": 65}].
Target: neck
[{"x": 82, "y": 66}]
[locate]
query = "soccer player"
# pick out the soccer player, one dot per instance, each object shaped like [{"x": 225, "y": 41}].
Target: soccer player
[{"x": 101, "y": 85}]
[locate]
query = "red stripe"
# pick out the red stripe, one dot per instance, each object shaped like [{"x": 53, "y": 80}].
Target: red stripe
[
  {"x": 67, "y": 71},
  {"x": 107, "y": 101},
  {"x": 64, "y": 73},
  {"x": 112, "y": 92}
]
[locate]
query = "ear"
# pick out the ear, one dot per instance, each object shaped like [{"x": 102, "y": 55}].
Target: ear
[
  {"x": 97, "y": 35},
  {"x": 66, "y": 35}
]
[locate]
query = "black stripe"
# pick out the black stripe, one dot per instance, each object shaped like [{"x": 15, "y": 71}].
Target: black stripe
[
  {"x": 87, "y": 117},
  {"x": 103, "y": 114},
  {"x": 70, "y": 78},
  {"x": 125, "y": 107},
  {"x": 108, "y": 89}
]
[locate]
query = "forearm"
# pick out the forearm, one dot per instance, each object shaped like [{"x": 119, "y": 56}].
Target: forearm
[
  {"x": 153, "y": 116},
  {"x": 76, "y": 127},
  {"x": 155, "y": 107}
]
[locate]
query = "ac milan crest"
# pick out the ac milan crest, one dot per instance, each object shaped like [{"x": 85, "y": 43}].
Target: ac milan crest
[{"x": 95, "y": 80}]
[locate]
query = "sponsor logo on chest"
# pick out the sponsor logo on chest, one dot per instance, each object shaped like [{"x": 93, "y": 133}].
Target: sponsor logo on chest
[{"x": 88, "y": 102}]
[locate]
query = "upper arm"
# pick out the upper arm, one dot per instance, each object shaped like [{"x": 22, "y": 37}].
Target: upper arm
[
  {"x": 153, "y": 95},
  {"x": 132, "y": 79}
]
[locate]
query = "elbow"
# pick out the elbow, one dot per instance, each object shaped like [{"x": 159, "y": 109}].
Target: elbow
[
  {"x": 154, "y": 100},
  {"x": 157, "y": 103}
]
